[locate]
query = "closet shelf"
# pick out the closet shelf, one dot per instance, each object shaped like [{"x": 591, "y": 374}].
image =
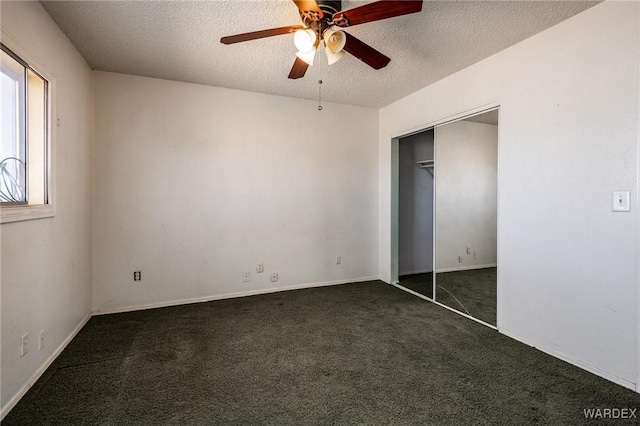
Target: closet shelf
[
  {"x": 425, "y": 164},
  {"x": 428, "y": 165}
]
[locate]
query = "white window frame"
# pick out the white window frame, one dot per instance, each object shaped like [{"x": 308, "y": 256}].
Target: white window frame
[{"x": 21, "y": 212}]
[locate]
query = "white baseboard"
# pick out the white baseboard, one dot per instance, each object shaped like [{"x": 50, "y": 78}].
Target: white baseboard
[
  {"x": 114, "y": 310},
  {"x": 47, "y": 362},
  {"x": 590, "y": 368},
  {"x": 422, "y": 271},
  {"x": 466, "y": 268}
]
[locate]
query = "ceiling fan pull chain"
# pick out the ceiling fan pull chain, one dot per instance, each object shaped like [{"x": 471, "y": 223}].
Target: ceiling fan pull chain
[{"x": 319, "y": 95}]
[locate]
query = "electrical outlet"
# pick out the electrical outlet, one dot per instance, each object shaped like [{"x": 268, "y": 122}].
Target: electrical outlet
[
  {"x": 274, "y": 277},
  {"x": 41, "y": 340},
  {"x": 246, "y": 277},
  {"x": 475, "y": 255},
  {"x": 24, "y": 344},
  {"x": 137, "y": 276},
  {"x": 468, "y": 250},
  {"x": 459, "y": 259},
  {"x": 338, "y": 260},
  {"x": 260, "y": 268}
]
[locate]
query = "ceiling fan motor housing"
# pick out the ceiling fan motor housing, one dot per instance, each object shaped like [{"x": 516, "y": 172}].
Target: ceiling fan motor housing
[{"x": 328, "y": 8}]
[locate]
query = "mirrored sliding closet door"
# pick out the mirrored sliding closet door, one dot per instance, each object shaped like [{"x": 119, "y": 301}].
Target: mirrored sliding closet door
[{"x": 466, "y": 186}]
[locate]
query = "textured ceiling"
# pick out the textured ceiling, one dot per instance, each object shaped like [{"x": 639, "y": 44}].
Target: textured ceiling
[{"x": 180, "y": 40}]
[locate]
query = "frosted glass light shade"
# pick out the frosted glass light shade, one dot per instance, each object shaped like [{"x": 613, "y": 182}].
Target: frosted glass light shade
[
  {"x": 332, "y": 57},
  {"x": 334, "y": 40},
  {"x": 305, "y": 40},
  {"x": 307, "y": 56}
]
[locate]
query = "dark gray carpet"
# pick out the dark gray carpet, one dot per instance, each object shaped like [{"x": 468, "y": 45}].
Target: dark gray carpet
[
  {"x": 364, "y": 353},
  {"x": 475, "y": 289}
]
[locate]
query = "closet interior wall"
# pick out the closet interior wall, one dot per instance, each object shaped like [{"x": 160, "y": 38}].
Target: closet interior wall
[{"x": 415, "y": 244}]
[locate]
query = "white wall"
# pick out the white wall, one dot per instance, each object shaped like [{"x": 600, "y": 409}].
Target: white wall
[
  {"x": 415, "y": 205},
  {"x": 567, "y": 279},
  {"x": 195, "y": 185},
  {"x": 466, "y": 195},
  {"x": 46, "y": 263}
]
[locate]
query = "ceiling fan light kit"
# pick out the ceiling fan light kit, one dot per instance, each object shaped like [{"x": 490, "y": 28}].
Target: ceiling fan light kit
[{"x": 319, "y": 17}]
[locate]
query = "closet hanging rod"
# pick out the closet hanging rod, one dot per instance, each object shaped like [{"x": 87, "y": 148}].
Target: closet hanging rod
[
  {"x": 428, "y": 165},
  {"x": 425, "y": 164}
]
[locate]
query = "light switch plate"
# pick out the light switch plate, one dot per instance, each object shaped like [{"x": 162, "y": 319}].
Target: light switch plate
[{"x": 620, "y": 201}]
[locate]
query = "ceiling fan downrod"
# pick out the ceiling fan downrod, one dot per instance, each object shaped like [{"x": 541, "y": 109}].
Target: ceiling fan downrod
[{"x": 320, "y": 21}]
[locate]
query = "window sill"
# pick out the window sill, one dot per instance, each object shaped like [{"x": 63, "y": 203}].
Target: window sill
[{"x": 20, "y": 213}]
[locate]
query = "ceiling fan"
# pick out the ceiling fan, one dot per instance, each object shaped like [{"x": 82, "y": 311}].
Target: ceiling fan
[{"x": 320, "y": 19}]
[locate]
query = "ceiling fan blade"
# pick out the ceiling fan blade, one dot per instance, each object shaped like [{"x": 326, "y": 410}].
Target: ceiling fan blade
[
  {"x": 298, "y": 69},
  {"x": 259, "y": 34},
  {"x": 308, "y": 6},
  {"x": 376, "y": 11},
  {"x": 365, "y": 53}
]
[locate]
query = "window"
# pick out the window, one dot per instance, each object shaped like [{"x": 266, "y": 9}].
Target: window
[{"x": 24, "y": 140}]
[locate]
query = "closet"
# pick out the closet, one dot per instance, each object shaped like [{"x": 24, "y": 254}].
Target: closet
[
  {"x": 447, "y": 183},
  {"x": 415, "y": 237}
]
